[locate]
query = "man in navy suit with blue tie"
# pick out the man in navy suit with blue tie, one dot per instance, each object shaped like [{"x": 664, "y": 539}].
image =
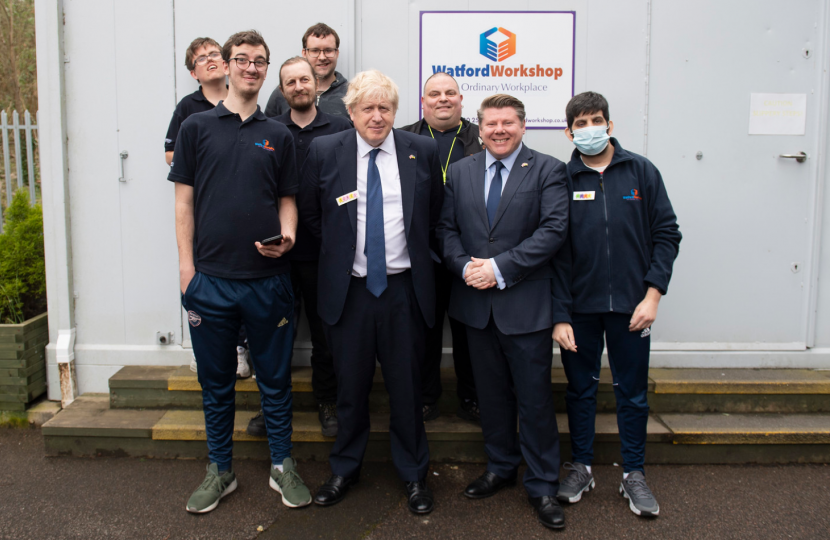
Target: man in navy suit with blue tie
[
  {"x": 505, "y": 215},
  {"x": 373, "y": 196}
]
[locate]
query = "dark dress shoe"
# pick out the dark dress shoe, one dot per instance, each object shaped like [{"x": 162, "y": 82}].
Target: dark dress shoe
[
  {"x": 420, "y": 497},
  {"x": 256, "y": 427},
  {"x": 468, "y": 410},
  {"x": 333, "y": 491},
  {"x": 487, "y": 485},
  {"x": 431, "y": 412},
  {"x": 549, "y": 512}
]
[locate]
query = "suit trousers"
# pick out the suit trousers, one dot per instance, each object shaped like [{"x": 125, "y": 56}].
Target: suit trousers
[
  {"x": 323, "y": 381},
  {"x": 628, "y": 355},
  {"x": 391, "y": 329},
  {"x": 465, "y": 383},
  {"x": 512, "y": 375},
  {"x": 216, "y": 308}
]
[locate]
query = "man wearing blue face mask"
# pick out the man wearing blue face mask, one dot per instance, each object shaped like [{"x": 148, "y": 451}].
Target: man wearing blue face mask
[{"x": 609, "y": 277}]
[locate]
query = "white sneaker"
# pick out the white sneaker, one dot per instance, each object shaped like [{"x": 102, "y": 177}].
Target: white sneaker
[
  {"x": 243, "y": 370},
  {"x": 192, "y": 362}
]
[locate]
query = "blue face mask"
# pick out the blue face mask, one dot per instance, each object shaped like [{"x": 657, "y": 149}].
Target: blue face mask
[{"x": 591, "y": 140}]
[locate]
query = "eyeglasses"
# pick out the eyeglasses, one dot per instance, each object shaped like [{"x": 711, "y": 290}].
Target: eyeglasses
[
  {"x": 212, "y": 56},
  {"x": 314, "y": 53},
  {"x": 243, "y": 63}
]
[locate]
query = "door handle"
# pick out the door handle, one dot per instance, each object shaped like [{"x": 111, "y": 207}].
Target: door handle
[
  {"x": 123, "y": 155},
  {"x": 800, "y": 157}
]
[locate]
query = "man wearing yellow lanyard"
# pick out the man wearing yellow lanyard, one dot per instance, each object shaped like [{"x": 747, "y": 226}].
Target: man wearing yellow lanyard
[{"x": 457, "y": 138}]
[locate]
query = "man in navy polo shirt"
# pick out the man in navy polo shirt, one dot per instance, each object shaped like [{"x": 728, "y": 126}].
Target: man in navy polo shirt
[
  {"x": 235, "y": 174},
  {"x": 610, "y": 275},
  {"x": 203, "y": 59},
  {"x": 306, "y": 122}
]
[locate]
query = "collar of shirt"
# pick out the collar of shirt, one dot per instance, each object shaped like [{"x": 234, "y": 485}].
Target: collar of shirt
[
  {"x": 221, "y": 111},
  {"x": 199, "y": 95},
  {"x": 507, "y": 161},
  {"x": 363, "y": 148},
  {"x": 321, "y": 119}
]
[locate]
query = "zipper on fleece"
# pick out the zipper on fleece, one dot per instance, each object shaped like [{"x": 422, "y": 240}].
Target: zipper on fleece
[{"x": 607, "y": 245}]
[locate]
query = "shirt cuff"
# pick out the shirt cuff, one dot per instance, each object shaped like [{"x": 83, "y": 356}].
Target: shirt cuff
[
  {"x": 464, "y": 271},
  {"x": 497, "y": 273}
]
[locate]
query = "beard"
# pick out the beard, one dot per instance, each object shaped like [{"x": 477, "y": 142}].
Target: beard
[{"x": 300, "y": 103}]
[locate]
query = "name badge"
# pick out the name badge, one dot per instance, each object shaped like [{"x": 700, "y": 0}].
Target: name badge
[
  {"x": 348, "y": 197},
  {"x": 584, "y": 195}
]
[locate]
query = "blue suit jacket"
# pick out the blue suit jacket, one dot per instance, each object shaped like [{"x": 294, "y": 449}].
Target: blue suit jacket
[
  {"x": 331, "y": 171},
  {"x": 530, "y": 226}
]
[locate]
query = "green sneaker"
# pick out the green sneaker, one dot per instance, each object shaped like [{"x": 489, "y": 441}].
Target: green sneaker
[
  {"x": 214, "y": 487},
  {"x": 295, "y": 494}
]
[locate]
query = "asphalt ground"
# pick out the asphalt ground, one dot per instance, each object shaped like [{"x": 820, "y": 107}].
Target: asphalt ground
[{"x": 128, "y": 498}]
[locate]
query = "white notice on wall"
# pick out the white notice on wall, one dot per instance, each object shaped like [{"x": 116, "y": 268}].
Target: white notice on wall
[{"x": 777, "y": 114}]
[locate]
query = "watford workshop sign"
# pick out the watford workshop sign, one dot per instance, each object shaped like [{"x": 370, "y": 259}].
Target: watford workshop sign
[{"x": 527, "y": 54}]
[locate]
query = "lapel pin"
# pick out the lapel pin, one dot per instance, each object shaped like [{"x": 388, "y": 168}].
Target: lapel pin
[
  {"x": 524, "y": 164},
  {"x": 411, "y": 156}
]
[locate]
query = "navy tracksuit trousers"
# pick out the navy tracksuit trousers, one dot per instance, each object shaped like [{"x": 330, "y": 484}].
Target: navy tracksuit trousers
[
  {"x": 216, "y": 308},
  {"x": 628, "y": 355}
]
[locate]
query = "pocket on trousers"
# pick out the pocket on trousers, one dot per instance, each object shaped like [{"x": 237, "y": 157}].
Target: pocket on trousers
[{"x": 190, "y": 288}]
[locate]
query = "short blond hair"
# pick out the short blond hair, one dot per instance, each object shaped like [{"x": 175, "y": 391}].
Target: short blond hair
[{"x": 371, "y": 84}]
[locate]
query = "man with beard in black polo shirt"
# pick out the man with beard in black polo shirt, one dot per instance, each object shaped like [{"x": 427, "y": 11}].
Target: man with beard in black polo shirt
[
  {"x": 457, "y": 138},
  {"x": 306, "y": 122},
  {"x": 236, "y": 218}
]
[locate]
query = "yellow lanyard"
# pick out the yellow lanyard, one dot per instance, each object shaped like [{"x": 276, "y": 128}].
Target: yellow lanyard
[{"x": 444, "y": 169}]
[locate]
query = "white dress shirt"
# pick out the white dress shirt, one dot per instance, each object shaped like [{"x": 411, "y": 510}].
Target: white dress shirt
[
  {"x": 489, "y": 173},
  {"x": 397, "y": 253}
]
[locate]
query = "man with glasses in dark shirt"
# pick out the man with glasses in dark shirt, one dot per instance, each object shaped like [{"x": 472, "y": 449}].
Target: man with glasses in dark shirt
[
  {"x": 321, "y": 47},
  {"x": 236, "y": 218},
  {"x": 306, "y": 122}
]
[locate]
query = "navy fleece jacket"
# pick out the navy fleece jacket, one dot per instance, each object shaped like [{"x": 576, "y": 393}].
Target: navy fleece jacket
[{"x": 623, "y": 237}]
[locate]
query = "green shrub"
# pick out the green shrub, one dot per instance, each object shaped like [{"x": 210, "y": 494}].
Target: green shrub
[{"x": 22, "y": 268}]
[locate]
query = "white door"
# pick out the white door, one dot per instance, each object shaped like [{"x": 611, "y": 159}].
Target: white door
[
  {"x": 741, "y": 280},
  {"x": 145, "y": 93}
]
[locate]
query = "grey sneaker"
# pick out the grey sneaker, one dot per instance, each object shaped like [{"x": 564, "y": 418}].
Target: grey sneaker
[
  {"x": 213, "y": 488},
  {"x": 640, "y": 498},
  {"x": 294, "y": 492},
  {"x": 578, "y": 481}
]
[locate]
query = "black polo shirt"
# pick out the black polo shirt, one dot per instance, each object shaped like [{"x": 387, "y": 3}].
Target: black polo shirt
[
  {"x": 445, "y": 143},
  {"x": 190, "y": 104},
  {"x": 306, "y": 247},
  {"x": 238, "y": 171}
]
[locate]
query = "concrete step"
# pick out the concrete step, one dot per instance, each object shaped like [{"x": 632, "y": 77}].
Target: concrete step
[
  {"x": 670, "y": 390},
  {"x": 740, "y": 390},
  {"x": 90, "y": 427}
]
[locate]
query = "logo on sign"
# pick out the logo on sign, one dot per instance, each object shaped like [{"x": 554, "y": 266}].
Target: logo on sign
[
  {"x": 497, "y": 51},
  {"x": 635, "y": 196}
]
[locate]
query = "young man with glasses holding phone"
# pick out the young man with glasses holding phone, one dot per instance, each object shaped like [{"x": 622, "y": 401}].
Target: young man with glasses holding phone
[
  {"x": 236, "y": 176},
  {"x": 321, "y": 47},
  {"x": 204, "y": 60}
]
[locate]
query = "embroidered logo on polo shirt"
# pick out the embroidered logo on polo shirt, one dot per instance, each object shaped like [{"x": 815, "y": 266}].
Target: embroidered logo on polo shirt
[
  {"x": 283, "y": 322},
  {"x": 194, "y": 318},
  {"x": 265, "y": 145}
]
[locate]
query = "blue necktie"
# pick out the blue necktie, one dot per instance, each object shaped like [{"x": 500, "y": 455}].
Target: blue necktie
[
  {"x": 494, "y": 196},
  {"x": 375, "y": 248}
]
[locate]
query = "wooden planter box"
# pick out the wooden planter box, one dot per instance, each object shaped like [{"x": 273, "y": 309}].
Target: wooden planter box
[{"x": 23, "y": 362}]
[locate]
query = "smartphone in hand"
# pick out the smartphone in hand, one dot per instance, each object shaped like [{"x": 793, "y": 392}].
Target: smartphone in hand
[{"x": 274, "y": 240}]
